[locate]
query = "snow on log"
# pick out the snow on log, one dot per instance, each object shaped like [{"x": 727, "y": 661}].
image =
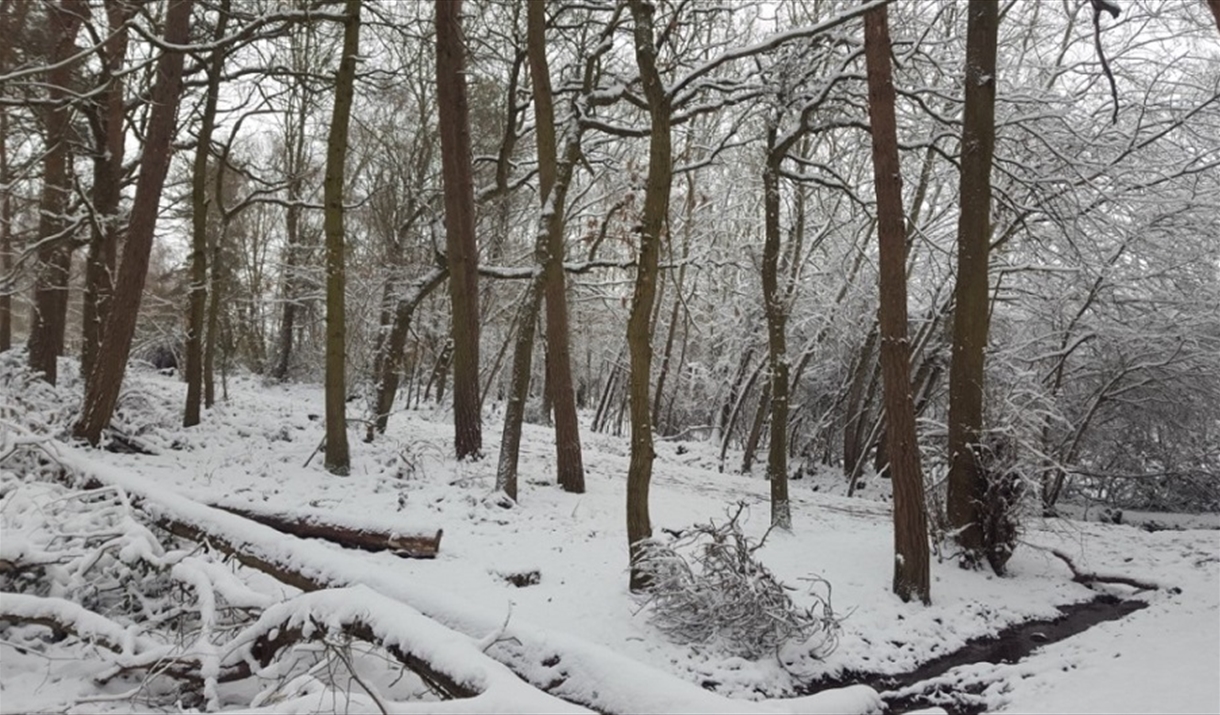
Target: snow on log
[
  {"x": 563, "y": 665},
  {"x": 417, "y": 544},
  {"x": 449, "y": 661},
  {"x": 69, "y": 618}
]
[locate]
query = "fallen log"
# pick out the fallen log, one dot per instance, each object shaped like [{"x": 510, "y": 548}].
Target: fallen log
[
  {"x": 568, "y": 667},
  {"x": 452, "y": 665},
  {"x": 310, "y": 525}
]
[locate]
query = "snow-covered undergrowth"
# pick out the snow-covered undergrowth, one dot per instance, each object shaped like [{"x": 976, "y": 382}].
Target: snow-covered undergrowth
[{"x": 251, "y": 450}]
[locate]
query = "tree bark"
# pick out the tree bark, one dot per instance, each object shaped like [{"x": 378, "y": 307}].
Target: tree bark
[
  {"x": 6, "y": 236},
  {"x": 109, "y": 137},
  {"x": 555, "y": 175},
  {"x": 49, "y": 319},
  {"x": 389, "y": 364},
  {"x": 639, "y": 335},
  {"x": 338, "y": 460},
  {"x": 911, "y": 579},
  {"x": 967, "y": 483},
  {"x": 198, "y": 292},
  {"x": 105, "y": 380},
  {"x": 777, "y": 340},
  {"x": 454, "y": 117}
]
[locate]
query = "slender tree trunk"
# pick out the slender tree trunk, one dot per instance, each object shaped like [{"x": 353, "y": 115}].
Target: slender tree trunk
[
  {"x": 6, "y": 237},
  {"x": 555, "y": 175},
  {"x": 855, "y": 412},
  {"x": 12, "y": 20},
  {"x": 198, "y": 293},
  {"x": 54, "y": 255},
  {"x": 518, "y": 388},
  {"x": 105, "y": 380},
  {"x": 454, "y": 116},
  {"x": 639, "y": 337},
  {"x": 777, "y": 339},
  {"x": 390, "y": 359},
  {"x": 911, "y": 578},
  {"x": 967, "y": 483},
  {"x": 109, "y": 138},
  {"x": 338, "y": 461},
  {"x": 212, "y": 339}
]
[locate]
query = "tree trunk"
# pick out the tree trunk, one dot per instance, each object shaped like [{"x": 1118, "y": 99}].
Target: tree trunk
[
  {"x": 639, "y": 336},
  {"x": 109, "y": 138},
  {"x": 54, "y": 255},
  {"x": 967, "y": 483},
  {"x": 554, "y": 178},
  {"x": 212, "y": 339},
  {"x": 198, "y": 292},
  {"x": 389, "y": 364},
  {"x": 338, "y": 461},
  {"x": 12, "y": 21},
  {"x": 856, "y": 409},
  {"x": 6, "y": 236},
  {"x": 518, "y": 389},
  {"x": 105, "y": 380},
  {"x": 911, "y": 579},
  {"x": 454, "y": 117},
  {"x": 777, "y": 340}
]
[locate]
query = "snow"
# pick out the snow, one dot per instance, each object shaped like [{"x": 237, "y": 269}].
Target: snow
[{"x": 250, "y": 451}]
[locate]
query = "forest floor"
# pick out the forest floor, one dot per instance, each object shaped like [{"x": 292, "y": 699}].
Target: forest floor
[{"x": 250, "y": 452}]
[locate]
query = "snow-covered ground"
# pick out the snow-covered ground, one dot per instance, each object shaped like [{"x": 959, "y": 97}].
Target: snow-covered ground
[{"x": 251, "y": 451}]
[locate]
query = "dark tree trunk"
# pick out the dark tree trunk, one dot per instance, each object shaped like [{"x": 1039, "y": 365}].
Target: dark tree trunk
[
  {"x": 911, "y": 578},
  {"x": 54, "y": 255},
  {"x": 198, "y": 293},
  {"x": 105, "y": 380},
  {"x": 555, "y": 175},
  {"x": 967, "y": 483},
  {"x": 389, "y": 361},
  {"x": 109, "y": 137},
  {"x": 6, "y": 237},
  {"x": 777, "y": 340},
  {"x": 454, "y": 117},
  {"x": 338, "y": 461},
  {"x": 639, "y": 335}
]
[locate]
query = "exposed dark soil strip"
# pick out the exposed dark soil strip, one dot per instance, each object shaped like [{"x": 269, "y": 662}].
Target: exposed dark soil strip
[{"x": 1008, "y": 646}]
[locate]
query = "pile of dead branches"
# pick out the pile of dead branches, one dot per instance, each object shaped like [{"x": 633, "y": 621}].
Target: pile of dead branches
[{"x": 708, "y": 587}]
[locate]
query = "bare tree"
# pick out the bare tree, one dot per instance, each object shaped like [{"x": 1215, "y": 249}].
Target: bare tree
[
  {"x": 971, "y": 313},
  {"x": 106, "y": 115},
  {"x": 910, "y": 521},
  {"x": 639, "y": 336},
  {"x": 462, "y": 250},
  {"x": 104, "y": 381},
  {"x": 50, "y": 316},
  {"x": 198, "y": 293},
  {"x": 338, "y": 460}
]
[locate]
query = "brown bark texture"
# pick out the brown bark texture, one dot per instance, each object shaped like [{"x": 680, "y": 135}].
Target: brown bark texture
[
  {"x": 911, "y": 564},
  {"x": 337, "y": 458},
  {"x": 777, "y": 339},
  {"x": 639, "y": 335},
  {"x": 454, "y": 117},
  {"x": 389, "y": 365},
  {"x": 967, "y": 483},
  {"x": 105, "y": 380},
  {"x": 420, "y": 545},
  {"x": 555, "y": 175},
  {"x": 109, "y": 137},
  {"x": 49, "y": 318},
  {"x": 198, "y": 291}
]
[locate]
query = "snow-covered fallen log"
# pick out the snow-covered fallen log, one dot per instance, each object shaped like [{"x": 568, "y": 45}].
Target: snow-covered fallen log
[
  {"x": 450, "y": 662},
  {"x": 563, "y": 665},
  {"x": 414, "y": 543}
]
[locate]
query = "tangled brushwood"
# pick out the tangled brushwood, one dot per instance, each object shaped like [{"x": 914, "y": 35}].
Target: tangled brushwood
[{"x": 708, "y": 588}]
